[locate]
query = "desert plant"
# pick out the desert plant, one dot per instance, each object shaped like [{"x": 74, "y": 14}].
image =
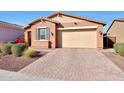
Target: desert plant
[
  {"x": 1, "y": 47},
  {"x": 18, "y": 49},
  {"x": 119, "y": 48},
  {"x": 11, "y": 42},
  {"x": 6, "y": 49},
  {"x": 30, "y": 53},
  {"x": 121, "y": 52},
  {"x": 0, "y": 50}
]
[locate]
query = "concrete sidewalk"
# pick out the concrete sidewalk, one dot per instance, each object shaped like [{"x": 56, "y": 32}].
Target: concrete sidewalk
[{"x": 16, "y": 76}]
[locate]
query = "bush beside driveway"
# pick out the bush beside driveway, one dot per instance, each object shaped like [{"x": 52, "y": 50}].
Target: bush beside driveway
[
  {"x": 119, "y": 48},
  {"x": 15, "y": 56},
  {"x": 75, "y": 64}
]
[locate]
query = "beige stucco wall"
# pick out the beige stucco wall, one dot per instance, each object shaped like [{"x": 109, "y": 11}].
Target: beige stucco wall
[
  {"x": 67, "y": 21},
  {"x": 100, "y": 36},
  {"x": 42, "y": 44},
  {"x": 117, "y": 30}
]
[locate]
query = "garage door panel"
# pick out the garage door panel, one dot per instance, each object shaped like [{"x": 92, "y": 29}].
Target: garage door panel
[{"x": 77, "y": 39}]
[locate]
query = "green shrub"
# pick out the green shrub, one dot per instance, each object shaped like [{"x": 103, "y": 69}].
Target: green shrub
[
  {"x": 0, "y": 50},
  {"x": 119, "y": 48},
  {"x": 18, "y": 49},
  {"x": 30, "y": 53},
  {"x": 6, "y": 49}
]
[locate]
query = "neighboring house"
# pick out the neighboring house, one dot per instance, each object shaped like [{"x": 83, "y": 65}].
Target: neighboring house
[
  {"x": 116, "y": 31},
  {"x": 9, "y": 32},
  {"x": 61, "y": 30}
]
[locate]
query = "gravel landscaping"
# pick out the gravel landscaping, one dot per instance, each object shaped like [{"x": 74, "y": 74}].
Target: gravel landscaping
[
  {"x": 116, "y": 59},
  {"x": 11, "y": 63}
]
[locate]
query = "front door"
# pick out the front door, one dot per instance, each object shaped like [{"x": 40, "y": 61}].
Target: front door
[{"x": 29, "y": 38}]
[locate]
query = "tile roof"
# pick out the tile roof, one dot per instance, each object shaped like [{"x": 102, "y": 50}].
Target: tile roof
[
  {"x": 11, "y": 24},
  {"x": 3, "y": 22},
  {"x": 43, "y": 18},
  {"x": 119, "y": 19},
  {"x": 80, "y": 17},
  {"x": 39, "y": 19},
  {"x": 53, "y": 21}
]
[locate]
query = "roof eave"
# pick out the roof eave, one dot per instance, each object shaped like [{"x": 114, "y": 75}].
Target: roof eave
[
  {"x": 40, "y": 19},
  {"x": 110, "y": 26},
  {"x": 103, "y": 23}
]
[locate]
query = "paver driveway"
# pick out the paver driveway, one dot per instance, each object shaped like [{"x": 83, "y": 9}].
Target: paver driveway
[{"x": 75, "y": 64}]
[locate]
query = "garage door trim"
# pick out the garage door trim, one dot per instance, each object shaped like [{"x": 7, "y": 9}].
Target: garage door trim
[{"x": 83, "y": 27}]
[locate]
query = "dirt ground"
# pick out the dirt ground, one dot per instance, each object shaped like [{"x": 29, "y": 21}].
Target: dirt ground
[{"x": 11, "y": 63}]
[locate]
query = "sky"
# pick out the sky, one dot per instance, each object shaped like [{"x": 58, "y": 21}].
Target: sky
[{"x": 25, "y": 17}]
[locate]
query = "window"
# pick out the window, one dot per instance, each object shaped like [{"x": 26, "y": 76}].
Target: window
[{"x": 43, "y": 34}]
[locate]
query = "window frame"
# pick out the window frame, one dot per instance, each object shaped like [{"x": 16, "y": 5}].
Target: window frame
[{"x": 45, "y": 34}]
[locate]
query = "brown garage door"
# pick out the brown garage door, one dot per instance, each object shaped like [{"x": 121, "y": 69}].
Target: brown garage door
[{"x": 77, "y": 39}]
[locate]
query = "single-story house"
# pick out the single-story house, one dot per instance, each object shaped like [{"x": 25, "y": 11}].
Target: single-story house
[
  {"x": 9, "y": 31},
  {"x": 61, "y": 30},
  {"x": 116, "y": 31}
]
